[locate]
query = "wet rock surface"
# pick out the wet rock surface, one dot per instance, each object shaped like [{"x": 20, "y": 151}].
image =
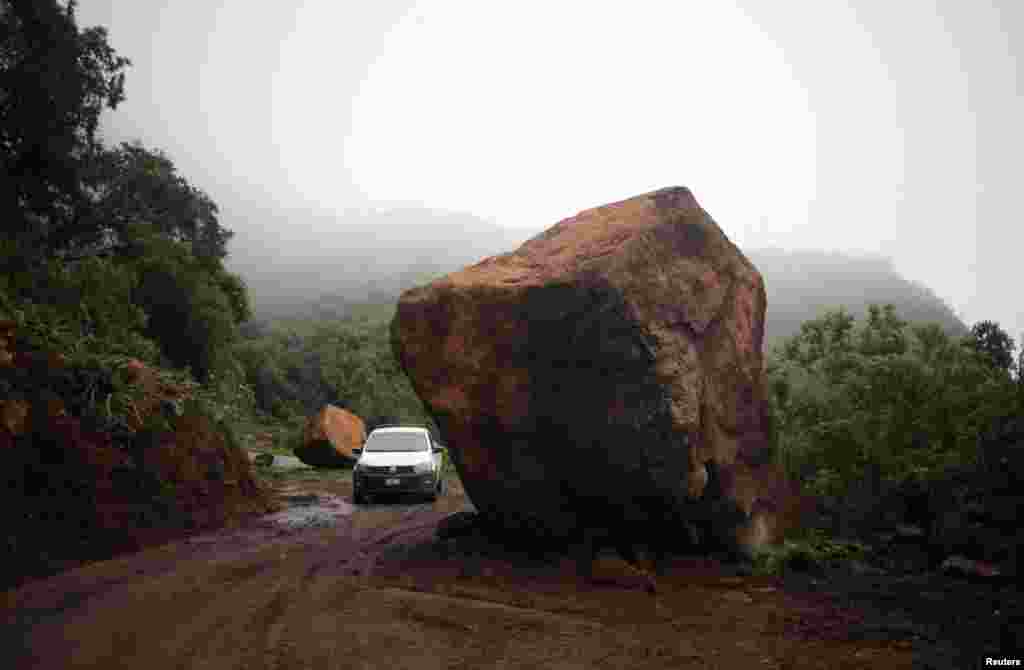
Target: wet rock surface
[{"x": 596, "y": 375}]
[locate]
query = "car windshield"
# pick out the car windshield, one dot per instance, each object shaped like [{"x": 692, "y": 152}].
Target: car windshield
[{"x": 397, "y": 442}]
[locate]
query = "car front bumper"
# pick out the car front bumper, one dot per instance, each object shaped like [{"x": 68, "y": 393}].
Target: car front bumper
[{"x": 393, "y": 483}]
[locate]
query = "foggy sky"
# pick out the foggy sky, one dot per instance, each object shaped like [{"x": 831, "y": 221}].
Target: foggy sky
[{"x": 862, "y": 126}]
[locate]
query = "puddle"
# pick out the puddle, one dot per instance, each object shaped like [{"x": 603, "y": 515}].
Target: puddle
[{"x": 310, "y": 511}]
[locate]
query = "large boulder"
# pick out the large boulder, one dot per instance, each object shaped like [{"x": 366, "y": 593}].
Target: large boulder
[
  {"x": 329, "y": 437},
  {"x": 593, "y": 376}
]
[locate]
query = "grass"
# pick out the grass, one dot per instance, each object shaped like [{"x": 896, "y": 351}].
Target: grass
[
  {"x": 304, "y": 475},
  {"x": 810, "y": 551},
  {"x": 274, "y": 436}
]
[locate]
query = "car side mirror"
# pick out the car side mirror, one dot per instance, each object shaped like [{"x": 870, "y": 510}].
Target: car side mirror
[{"x": 438, "y": 450}]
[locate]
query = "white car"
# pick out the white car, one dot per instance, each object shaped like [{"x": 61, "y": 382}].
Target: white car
[{"x": 398, "y": 459}]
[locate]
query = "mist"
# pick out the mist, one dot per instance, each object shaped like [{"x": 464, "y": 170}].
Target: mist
[{"x": 858, "y": 127}]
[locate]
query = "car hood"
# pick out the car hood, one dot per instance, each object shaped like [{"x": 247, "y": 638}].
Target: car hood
[{"x": 394, "y": 457}]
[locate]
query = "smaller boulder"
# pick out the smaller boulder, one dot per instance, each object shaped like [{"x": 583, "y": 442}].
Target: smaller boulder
[{"x": 329, "y": 438}]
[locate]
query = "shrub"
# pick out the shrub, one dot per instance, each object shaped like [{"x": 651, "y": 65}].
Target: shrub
[{"x": 810, "y": 553}]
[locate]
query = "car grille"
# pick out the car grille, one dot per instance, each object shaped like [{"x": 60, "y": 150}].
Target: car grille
[{"x": 386, "y": 469}]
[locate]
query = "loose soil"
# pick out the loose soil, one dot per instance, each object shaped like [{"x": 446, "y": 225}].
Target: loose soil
[{"x": 326, "y": 584}]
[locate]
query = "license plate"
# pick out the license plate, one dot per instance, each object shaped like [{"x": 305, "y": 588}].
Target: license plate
[{"x": 392, "y": 482}]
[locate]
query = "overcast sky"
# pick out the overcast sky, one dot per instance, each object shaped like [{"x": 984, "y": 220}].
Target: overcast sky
[{"x": 856, "y": 125}]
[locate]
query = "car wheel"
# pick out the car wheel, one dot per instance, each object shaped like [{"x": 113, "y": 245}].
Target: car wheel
[
  {"x": 358, "y": 498},
  {"x": 442, "y": 487}
]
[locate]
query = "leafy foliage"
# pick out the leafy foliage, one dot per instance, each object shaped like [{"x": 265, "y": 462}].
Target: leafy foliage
[
  {"x": 346, "y": 363},
  {"x": 855, "y": 407},
  {"x": 993, "y": 344},
  {"x": 54, "y": 82},
  {"x": 107, "y": 251},
  {"x": 809, "y": 553},
  {"x": 189, "y": 315},
  {"x": 83, "y": 310},
  {"x": 130, "y": 183}
]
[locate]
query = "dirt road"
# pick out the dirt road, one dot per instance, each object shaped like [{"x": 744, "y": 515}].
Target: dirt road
[{"x": 372, "y": 587}]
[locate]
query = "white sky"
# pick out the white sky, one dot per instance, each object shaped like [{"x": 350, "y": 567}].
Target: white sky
[{"x": 865, "y": 126}]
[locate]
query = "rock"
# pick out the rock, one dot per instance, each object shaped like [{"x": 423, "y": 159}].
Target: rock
[
  {"x": 1004, "y": 511},
  {"x": 205, "y": 468},
  {"x": 589, "y": 377},
  {"x": 861, "y": 569},
  {"x": 613, "y": 570},
  {"x": 458, "y": 524},
  {"x": 329, "y": 438},
  {"x": 950, "y": 530},
  {"x": 964, "y": 567},
  {"x": 14, "y": 416}
]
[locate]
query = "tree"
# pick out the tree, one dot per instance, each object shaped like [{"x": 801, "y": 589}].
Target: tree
[
  {"x": 130, "y": 184},
  {"x": 993, "y": 344},
  {"x": 54, "y": 82},
  {"x": 883, "y": 333},
  {"x": 190, "y": 314},
  {"x": 881, "y": 399}
]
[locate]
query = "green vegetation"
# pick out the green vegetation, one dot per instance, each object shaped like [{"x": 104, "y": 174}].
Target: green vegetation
[
  {"x": 809, "y": 552},
  {"x": 858, "y": 410},
  {"x": 107, "y": 252},
  {"x": 295, "y": 367},
  {"x": 299, "y": 475}
]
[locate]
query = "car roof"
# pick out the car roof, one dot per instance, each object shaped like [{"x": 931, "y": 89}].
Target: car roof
[{"x": 399, "y": 429}]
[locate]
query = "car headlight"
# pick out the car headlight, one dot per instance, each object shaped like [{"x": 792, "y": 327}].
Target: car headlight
[{"x": 423, "y": 468}]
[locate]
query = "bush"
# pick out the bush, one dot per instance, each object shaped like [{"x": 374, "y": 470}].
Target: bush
[
  {"x": 879, "y": 401},
  {"x": 346, "y": 364},
  {"x": 856, "y": 410},
  {"x": 82, "y": 310},
  {"x": 810, "y": 553}
]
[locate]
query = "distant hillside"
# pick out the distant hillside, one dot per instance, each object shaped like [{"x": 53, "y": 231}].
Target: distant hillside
[
  {"x": 294, "y": 259},
  {"x": 802, "y": 285},
  {"x": 299, "y": 263}
]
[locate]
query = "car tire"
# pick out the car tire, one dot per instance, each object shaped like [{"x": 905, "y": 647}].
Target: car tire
[
  {"x": 358, "y": 498},
  {"x": 442, "y": 487}
]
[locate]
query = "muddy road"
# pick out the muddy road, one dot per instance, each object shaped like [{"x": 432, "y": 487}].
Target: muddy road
[{"x": 326, "y": 584}]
